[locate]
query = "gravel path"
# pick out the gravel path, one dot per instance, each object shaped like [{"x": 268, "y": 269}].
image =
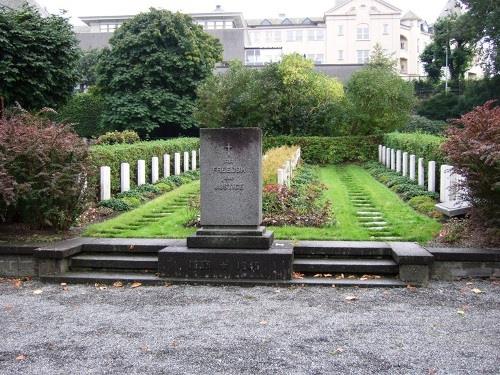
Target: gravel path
[{"x": 444, "y": 329}]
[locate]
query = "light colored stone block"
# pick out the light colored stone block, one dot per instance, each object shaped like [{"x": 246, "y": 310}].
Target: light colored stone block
[
  {"x": 177, "y": 163},
  {"x": 421, "y": 172},
  {"x": 405, "y": 164},
  {"x": 155, "y": 166},
  {"x": 388, "y": 157},
  {"x": 141, "y": 172},
  {"x": 124, "y": 177},
  {"x": 398, "y": 161},
  {"x": 445, "y": 183},
  {"x": 193, "y": 160},
  {"x": 186, "y": 161},
  {"x": 383, "y": 154},
  {"x": 412, "y": 167},
  {"x": 166, "y": 165},
  {"x": 380, "y": 153},
  {"x": 431, "y": 176},
  {"x": 105, "y": 183},
  {"x": 393, "y": 159}
]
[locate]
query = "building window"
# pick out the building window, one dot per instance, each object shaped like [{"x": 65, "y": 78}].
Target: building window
[
  {"x": 108, "y": 28},
  {"x": 294, "y": 36},
  {"x": 255, "y": 37},
  {"x": 404, "y": 65},
  {"x": 210, "y": 25},
  {"x": 340, "y": 30},
  {"x": 269, "y": 36},
  {"x": 363, "y": 56},
  {"x": 340, "y": 55},
  {"x": 386, "y": 28},
  {"x": 261, "y": 56},
  {"x": 228, "y": 25},
  {"x": 219, "y": 25},
  {"x": 277, "y": 36},
  {"x": 315, "y": 35},
  {"x": 362, "y": 32},
  {"x": 404, "y": 43},
  {"x": 316, "y": 58}
]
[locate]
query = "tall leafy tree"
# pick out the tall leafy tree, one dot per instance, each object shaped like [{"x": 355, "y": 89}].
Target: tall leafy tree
[
  {"x": 38, "y": 57},
  {"x": 452, "y": 36},
  {"x": 483, "y": 16},
  {"x": 149, "y": 76}
]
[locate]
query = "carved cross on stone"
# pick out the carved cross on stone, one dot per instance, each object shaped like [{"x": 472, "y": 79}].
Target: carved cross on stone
[{"x": 228, "y": 148}]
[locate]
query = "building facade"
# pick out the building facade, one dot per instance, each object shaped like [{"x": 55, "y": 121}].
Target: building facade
[{"x": 343, "y": 37}]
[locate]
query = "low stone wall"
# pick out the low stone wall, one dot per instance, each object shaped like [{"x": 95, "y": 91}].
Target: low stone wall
[{"x": 17, "y": 260}]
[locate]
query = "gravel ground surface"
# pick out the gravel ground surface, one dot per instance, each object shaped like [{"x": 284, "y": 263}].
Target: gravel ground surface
[{"x": 449, "y": 328}]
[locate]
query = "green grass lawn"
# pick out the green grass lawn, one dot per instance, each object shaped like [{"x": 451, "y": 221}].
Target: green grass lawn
[{"x": 164, "y": 216}]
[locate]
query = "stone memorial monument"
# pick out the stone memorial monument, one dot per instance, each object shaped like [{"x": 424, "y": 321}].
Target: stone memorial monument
[{"x": 231, "y": 242}]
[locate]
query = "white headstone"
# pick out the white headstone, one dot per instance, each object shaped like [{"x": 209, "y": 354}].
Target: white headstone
[
  {"x": 383, "y": 154},
  {"x": 177, "y": 163},
  {"x": 154, "y": 169},
  {"x": 124, "y": 177},
  {"x": 281, "y": 176},
  {"x": 431, "y": 176},
  {"x": 388, "y": 157},
  {"x": 186, "y": 161},
  {"x": 166, "y": 165},
  {"x": 380, "y": 153},
  {"x": 445, "y": 183},
  {"x": 193, "y": 160},
  {"x": 105, "y": 183},
  {"x": 398, "y": 161},
  {"x": 412, "y": 167},
  {"x": 405, "y": 164},
  {"x": 421, "y": 175},
  {"x": 393, "y": 159},
  {"x": 141, "y": 172}
]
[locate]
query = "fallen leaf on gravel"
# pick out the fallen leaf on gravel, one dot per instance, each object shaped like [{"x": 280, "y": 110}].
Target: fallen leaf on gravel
[
  {"x": 20, "y": 357},
  {"x": 469, "y": 283},
  {"x": 337, "y": 351},
  {"x": 173, "y": 344},
  {"x": 277, "y": 291},
  {"x": 38, "y": 291},
  {"x": 167, "y": 285},
  {"x": 341, "y": 276},
  {"x": 363, "y": 278},
  {"x": 318, "y": 275},
  {"x": 297, "y": 275},
  {"x": 63, "y": 284},
  {"x": 17, "y": 283},
  {"x": 461, "y": 312},
  {"x": 8, "y": 307},
  {"x": 100, "y": 286},
  {"x": 351, "y": 277},
  {"x": 263, "y": 322},
  {"x": 477, "y": 291},
  {"x": 117, "y": 284},
  {"x": 411, "y": 288},
  {"x": 145, "y": 349},
  {"x": 135, "y": 285},
  {"x": 432, "y": 371},
  {"x": 327, "y": 275},
  {"x": 334, "y": 286},
  {"x": 351, "y": 298}
]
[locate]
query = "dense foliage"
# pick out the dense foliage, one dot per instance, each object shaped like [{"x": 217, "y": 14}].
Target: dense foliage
[
  {"x": 420, "y": 124},
  {"x": 43, "y": 169},
  {"x": 329, "y": 150},
  {"x": 289, "y": 97},
  {"x": 113, "y": 155},
  {"x": 426, "y": 146},
  {"x": 473, "y": 147},
  {"x": 452, "y": 37},
  {"x": 381, "y": 101},
  {"x": 87, "y": 68},
  {"x": 38, "y": 57},
  {"x": 149, "y": 76},
  {"x": 451, "y": 105},
  {"x": 274, "y": 159},
  {"x": 135, "y": 197},
  {"x": 300, "y": 204},
  {"x": 483, "y": 19},
  {"x": 116, "y": 137},
  {"x": 83, "y": 111}
]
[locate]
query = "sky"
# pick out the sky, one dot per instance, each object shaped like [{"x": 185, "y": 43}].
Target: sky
[{"x": 426, "y": 9}]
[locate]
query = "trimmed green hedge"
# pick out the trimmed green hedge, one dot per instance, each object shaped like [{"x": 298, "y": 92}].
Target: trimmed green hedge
[
  {"x": 113, "y": 155},
  {"x": 422, "y": 145},
  {"x": 330, "y": 150}
]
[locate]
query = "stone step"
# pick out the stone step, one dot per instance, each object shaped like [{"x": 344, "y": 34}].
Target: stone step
[
  {"x": 373, "y": 223},
  {"x": 329, "y": 282},
  {"x": 352, "y": 265},
  {"x": 377, "y": 228},
  {"x": 368, "y": 219},
  {"x": 83, "y": 277},
  {"x": 341, "y": 249},
  {"x": 388, "y": 238},
  {"x": 368, "y": 213},
  {"x": 115, "y": 261}
]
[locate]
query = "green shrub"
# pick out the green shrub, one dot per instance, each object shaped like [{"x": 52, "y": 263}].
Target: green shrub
[
  {"x": 132, "y": 202},
  {"x": 116, "y": 137},
  {"x": 426, "y": 146},
  {"x": 329, "y": 150},
  {"x": 425, "y": 205},
  {"x": 116, "y": 204},
  {"x": 114, "y": 155},
  {"x": 420, "y": 124},
  {"x": 83, "y": 112}
]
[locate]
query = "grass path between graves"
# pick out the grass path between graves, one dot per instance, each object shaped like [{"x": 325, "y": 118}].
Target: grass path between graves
[{"x": 364, "y": 210}]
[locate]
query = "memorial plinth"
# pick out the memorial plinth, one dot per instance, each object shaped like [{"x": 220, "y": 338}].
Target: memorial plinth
[{"x": 231, "y": 243}]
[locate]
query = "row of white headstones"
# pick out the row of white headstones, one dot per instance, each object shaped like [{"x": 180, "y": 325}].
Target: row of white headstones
[
  {"x": 450, "y": 183},
  {"x": 188, "y": 163},
  {"x": 285, "y": 173}
]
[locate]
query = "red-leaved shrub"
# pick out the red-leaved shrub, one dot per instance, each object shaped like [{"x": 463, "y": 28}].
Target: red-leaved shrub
[
  {"x": 43, "y": 168},
  {"x": 473, "y": 147}
]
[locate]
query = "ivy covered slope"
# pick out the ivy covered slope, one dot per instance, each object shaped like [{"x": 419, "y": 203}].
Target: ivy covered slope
[{"x": 149, "y": 75}]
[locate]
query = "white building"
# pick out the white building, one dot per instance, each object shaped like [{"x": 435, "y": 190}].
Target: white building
[{"x": 343, "y": 37}]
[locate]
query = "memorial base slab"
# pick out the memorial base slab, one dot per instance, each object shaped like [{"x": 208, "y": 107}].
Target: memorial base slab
[
  {"x": 243, "y": 264},
  {"x": 231, "y": 238}
]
